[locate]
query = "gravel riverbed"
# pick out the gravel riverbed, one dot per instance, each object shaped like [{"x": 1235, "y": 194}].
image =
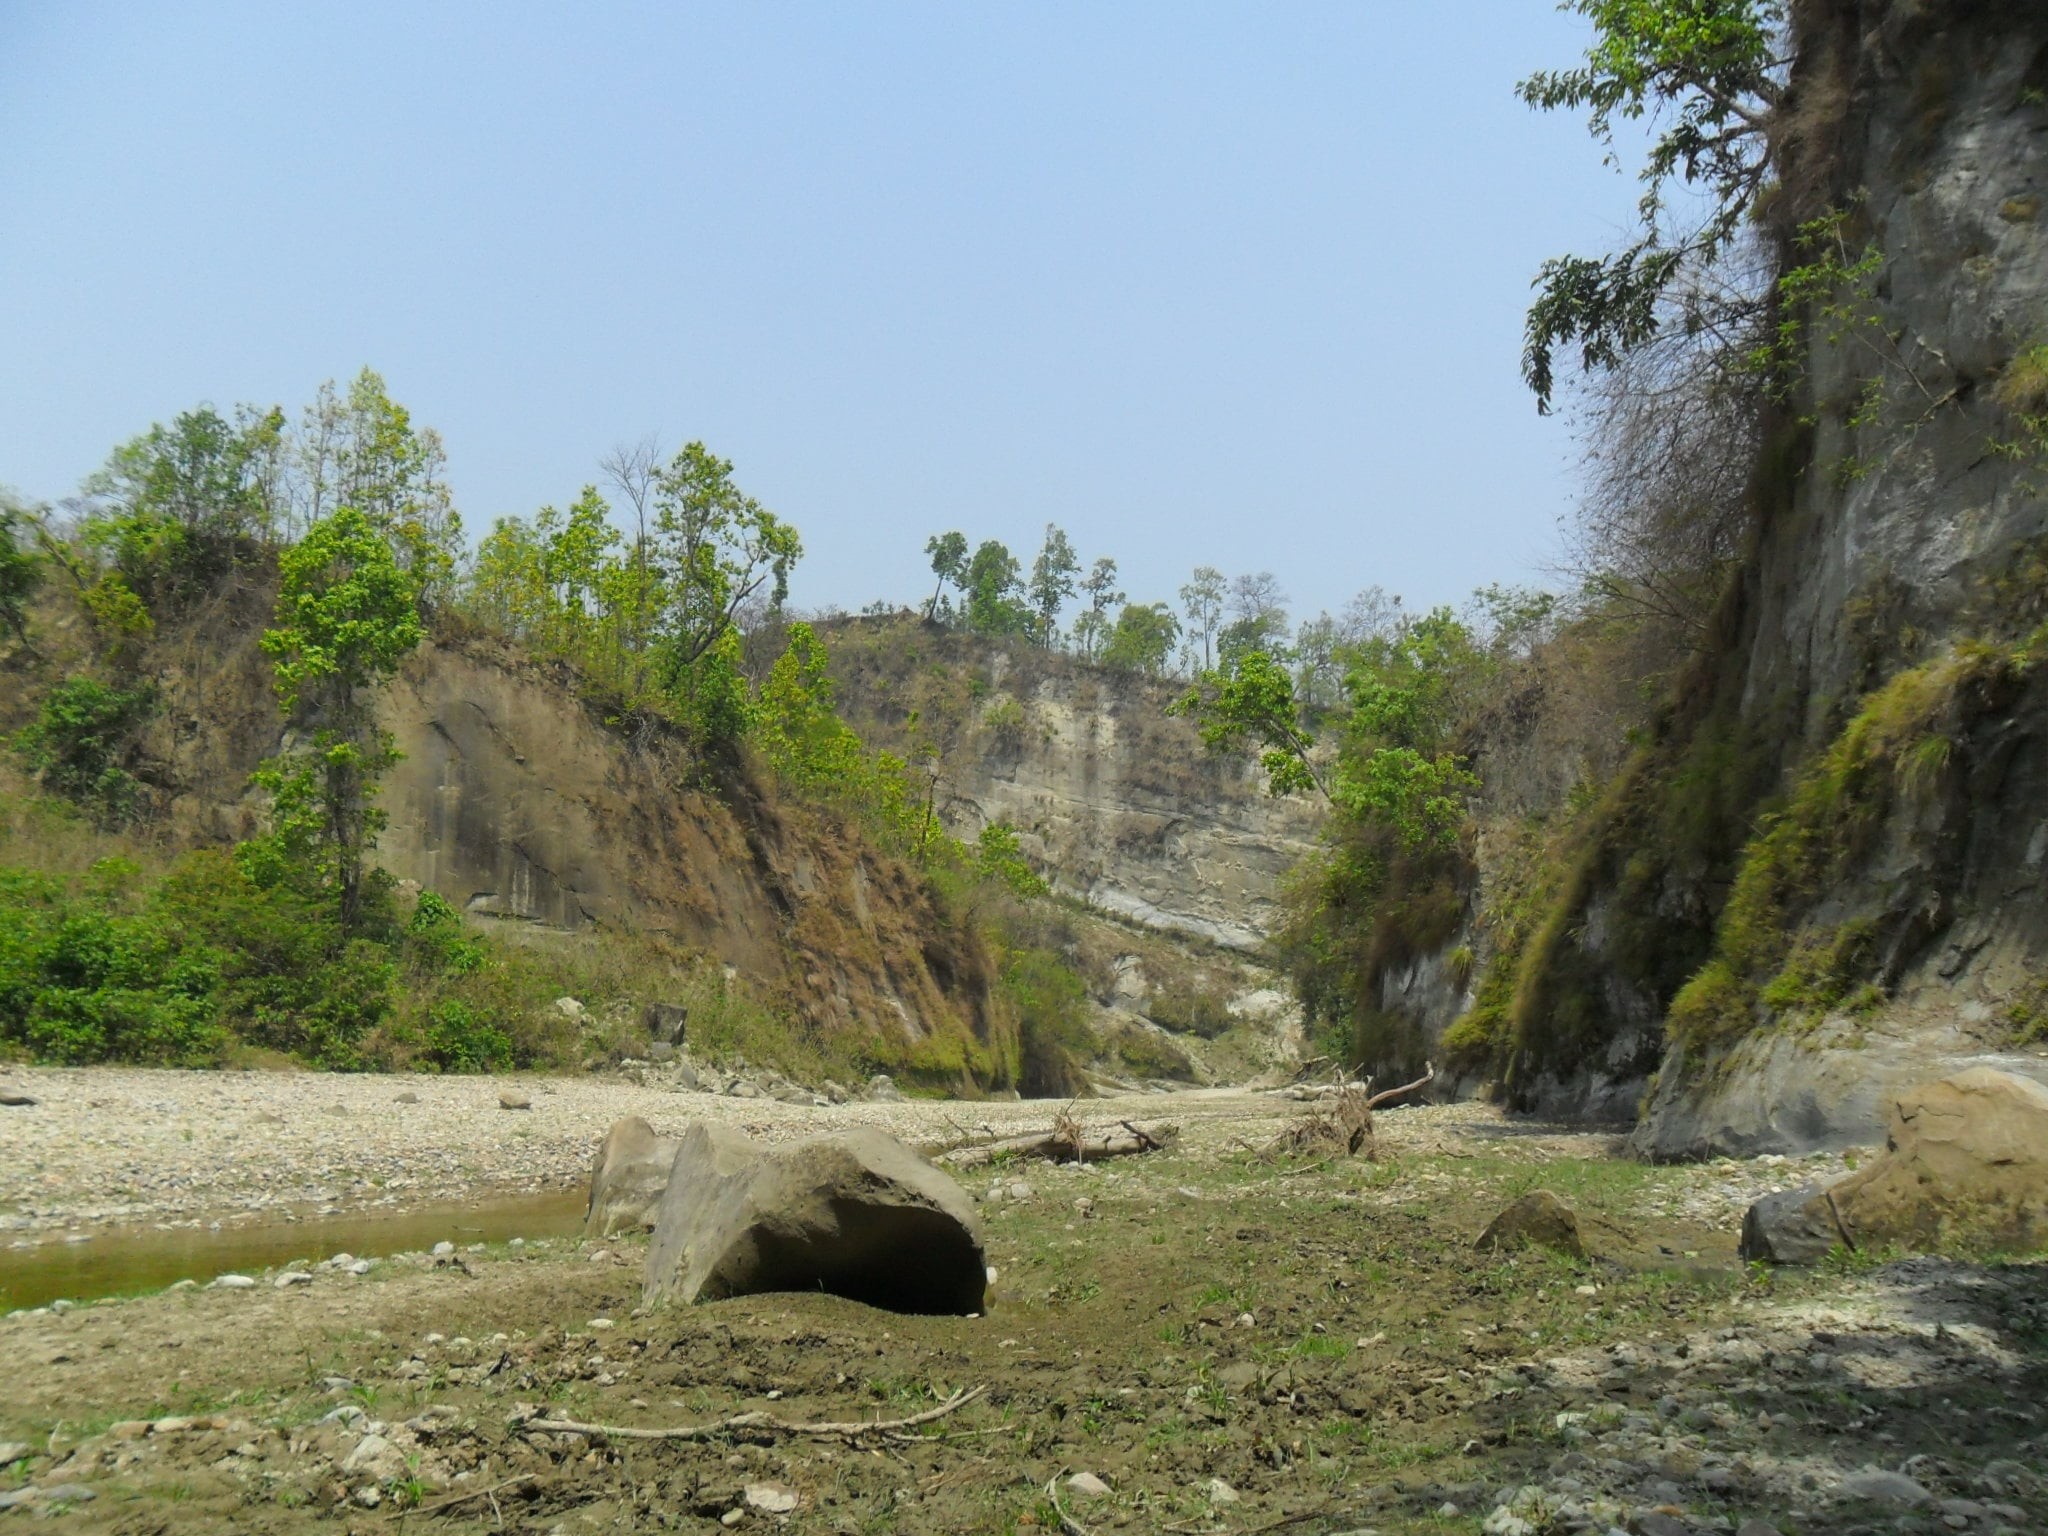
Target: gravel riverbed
[{"x": 106, "y": 1146}]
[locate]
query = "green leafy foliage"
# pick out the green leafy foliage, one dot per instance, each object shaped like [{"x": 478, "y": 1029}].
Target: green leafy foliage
[
  {"x": 1143, "y": 639},
  {"x": 79, "y": 743},
  {"x": 1051, "y": 1006},
  {"x": 1707, "y": 73},
  {"x": 177, "y": 509},
  {"x": 347, "y": 615},
  {"x": 20, "y": 571},
  {"x": 998, "y": 856}
]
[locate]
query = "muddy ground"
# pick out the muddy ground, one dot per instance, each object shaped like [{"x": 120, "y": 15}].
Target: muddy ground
[{"x": 1230, "y": 1344}]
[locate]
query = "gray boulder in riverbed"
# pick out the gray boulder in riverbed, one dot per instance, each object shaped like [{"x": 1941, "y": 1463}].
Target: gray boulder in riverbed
[
  {"x": 859, "y": 1215},
  {"x": 1790, "y": 1227},
  {"x": 627, "y": 1179}
]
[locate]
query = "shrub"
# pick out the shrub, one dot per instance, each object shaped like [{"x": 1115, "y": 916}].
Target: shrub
[
  {"x": 1191, "y": 1010},
  {"x": 461, "y": 1039},
  {"x": 80, "y": 740},
  {"x": 1051, "y": 1004}
]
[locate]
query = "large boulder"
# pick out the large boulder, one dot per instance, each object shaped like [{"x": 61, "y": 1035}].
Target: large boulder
[
  {"x": 1792, "y": 1226},
  {"x": 1965, "y": 1159},
  {"x": 857, "y": 1214},
  {"x": 1539, "y": 1219},
  {"x": 627, "y": 1180}
]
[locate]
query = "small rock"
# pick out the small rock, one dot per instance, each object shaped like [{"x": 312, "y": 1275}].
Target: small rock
[
  {"x": 510, "y": 1100},
  {"x": 1086, "y": 1485},
  {"x": 571, "y": 1010},
  {"x": 12, "y": 1451},
  {"x": 443, "y": 1248},
  {"x": 292, "y": 1277},
  {"x": 882, "y": 1089},
  {"x": 1019, "y": 1190},
  {"x": 338, "y": 1109},
  {"x": 376, "y": 1457},
  {"x": 1539, "y": 1218},
  {"x": 61, "y": 1307},
  {"x": 407, "y": 1097},
  {"x": 12, "y": 1100},
  {"x": 661, "y": 1053},
  {"x": 1219, "y": 1492},
  {"x": 232, "y": 1283},
  {"x": 368, "y": 1496},
  {"x": 360, "y": 1267},
  {"x": 1447, "y": 1511},
  {"x": 69, "y": 1493},
  {"x": 770, "y": 1498},
  {"x": 1654, "y": 1522},
  {"x": 1084, "y": 1207},
  {"x": 1884, "y": 1488},
  {"x": 732, "y": 1517},
  {"x": 19, "y": 1497},
  {"x": 1753, "y": 1527},
  {"x": 170, "y": 1426}
]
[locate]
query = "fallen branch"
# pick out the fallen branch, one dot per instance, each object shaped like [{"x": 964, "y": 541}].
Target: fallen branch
[
  {"x": 522, "y": 1482},
  {"x": 1059, "y": 1145},
  {"x": 1069, "y": 1526},
  {"x": 851, "y": 1430}
]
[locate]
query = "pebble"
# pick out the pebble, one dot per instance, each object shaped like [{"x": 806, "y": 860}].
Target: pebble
[
  {"x": 1883, "y": 1487},
  {"x": 443, "y": 1248},
  {"x": 732, "y": 1517},
  {"x": 292, "y": 1277},
  {"x": 12, "y": 1451},
  {"x": 1219, "y": 1492},
  {"x": 232, "y": 1283},
  {"x": 1086, "y": 1485},
  {"x": 770, "y": 1498}
]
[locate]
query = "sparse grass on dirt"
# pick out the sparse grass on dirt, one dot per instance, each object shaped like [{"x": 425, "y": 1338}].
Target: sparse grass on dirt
[{"x": 1318, "y": 1335}]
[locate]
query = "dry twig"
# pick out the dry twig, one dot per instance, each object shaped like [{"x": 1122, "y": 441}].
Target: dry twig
[{"x": 851, "y": 1430}]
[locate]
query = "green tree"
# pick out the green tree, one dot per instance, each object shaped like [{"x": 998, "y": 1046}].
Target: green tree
[
  {"x": 175, "y": 510},
  {"x": 79, "y": 744},
  {"x": 999, "y": 856},
  {"x": 347, "y": 615},
  {"x": 1201, "y": 600},
  {"x": 1253, "y": 704},
  {"x": 1053, "y": 576},
  {"x": 948, "y": 552},
  {"x": 713, "y": 548},
  {"x": 20, "y": 571},
  {"x": 1093, "y": 627},
  {"x": 1143, "y": 639},
  {"x": 361, "y": 450},
  {"x": 995, "y": 591},
  {"x": 795, "y": 724},
  {"x": 1709, "y": 73}
]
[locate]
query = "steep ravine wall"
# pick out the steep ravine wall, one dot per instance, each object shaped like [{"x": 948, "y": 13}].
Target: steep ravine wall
[
  {"x": 1870, "y": 676},
  {"x": 1115, "y": 801},
  {"x": 516, "y": 803}
]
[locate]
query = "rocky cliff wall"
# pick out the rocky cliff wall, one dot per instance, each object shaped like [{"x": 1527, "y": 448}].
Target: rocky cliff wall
[
  {"x": 1827, "y": 865},
  {"x": 1114, "y": 801}
]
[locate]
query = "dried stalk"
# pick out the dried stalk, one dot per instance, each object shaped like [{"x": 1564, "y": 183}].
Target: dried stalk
[{"x": 852, "y": 1430}]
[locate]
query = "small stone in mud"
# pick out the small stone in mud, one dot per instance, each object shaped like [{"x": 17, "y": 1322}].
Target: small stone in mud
[
  {"x": 511, "y": 1100},
  {"x": 407, "y": 1097},
  {"x": 1219, "y": 1492},
  {"x": 12, "y": 1451},
  {"x": 1087, "y": 1485},
  {"x": 1539, "y": 1218},
  {"x": 771, "y": 1498},
  {"x": 443, "y": 1248},
  {"x": 232, "y": 1283},
  {"x": 16, "y": 1100},
  {"x": 292, "y": 1277}
]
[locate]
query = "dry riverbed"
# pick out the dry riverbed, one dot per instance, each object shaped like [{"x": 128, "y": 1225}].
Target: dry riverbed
[{"x": 1222, "y": 1343}]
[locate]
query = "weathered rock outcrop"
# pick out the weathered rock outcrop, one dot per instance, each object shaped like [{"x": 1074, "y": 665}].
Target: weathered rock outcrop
[
  {"x": 1114, "y": 800},
  {"x": 1824, "y": 868},
  {"x": 859, "y": 1215},
  {"x": 627, "y": 1179},
  {"x": 1965, "y": 1162}
]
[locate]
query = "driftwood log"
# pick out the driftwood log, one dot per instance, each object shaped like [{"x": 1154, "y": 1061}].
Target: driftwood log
[
  {"x": 1069, "y": 1142},
  {"x": 1341, "y": 1122}
]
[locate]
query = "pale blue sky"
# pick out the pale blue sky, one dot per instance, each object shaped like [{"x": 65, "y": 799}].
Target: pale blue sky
[{"x": 1238, "y": 285}]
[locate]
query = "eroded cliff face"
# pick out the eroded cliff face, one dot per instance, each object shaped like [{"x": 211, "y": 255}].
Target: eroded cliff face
[
  {"x": 1114, "y": 801},
  {"x": 1861, "y": 768},
  {"x": 516, "y": 803}
]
